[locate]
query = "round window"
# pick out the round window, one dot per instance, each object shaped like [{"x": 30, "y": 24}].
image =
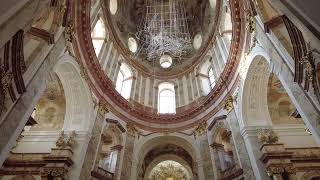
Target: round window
[{"x": 165, "y": 61}]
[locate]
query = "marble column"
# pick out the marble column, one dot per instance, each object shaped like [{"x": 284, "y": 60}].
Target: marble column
[
  {"x": 93, "y": 147},
  {"x": 202, "y": 142},
  {"x": 127, "y": 160},
  {"x": 238, "y": 146}
]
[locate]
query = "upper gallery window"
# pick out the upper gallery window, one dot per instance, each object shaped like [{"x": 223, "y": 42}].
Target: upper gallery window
[
  {"x": 124, "y": 81},
  {"x": 166, "y": 98},
  {"x": 98, "y": 36},
  {"x": 212, "y": 80}
]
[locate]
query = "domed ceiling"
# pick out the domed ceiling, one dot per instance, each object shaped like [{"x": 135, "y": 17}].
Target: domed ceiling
[
  {"x": 151, "y": 32},
  {"x": 124, "y": 19}
]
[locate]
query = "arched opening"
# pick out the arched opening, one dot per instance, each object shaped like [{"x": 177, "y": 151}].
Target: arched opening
[
  {"x": 169, "y": 170},
  {"x": 124, "y": 81},
  {"x": 109, "y": 150},
  {"x": 166, "y": 98},
  {"x": 98, "y": 36},
  {"x": 155, "y": 149},
  {"x": 266, "y": 104},
  {"x": 172, "y": 158}
]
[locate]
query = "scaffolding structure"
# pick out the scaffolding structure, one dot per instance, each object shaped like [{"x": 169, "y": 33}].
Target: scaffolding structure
[{"x": 164, "y": 30}]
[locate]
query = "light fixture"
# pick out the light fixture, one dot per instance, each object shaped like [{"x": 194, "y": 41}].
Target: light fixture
[
  {"x": 132, "y": 44},
  {"x": 197, "y": 41},
  {"x": 113, "y": 6},
  {"x": 165, "y": 61}
]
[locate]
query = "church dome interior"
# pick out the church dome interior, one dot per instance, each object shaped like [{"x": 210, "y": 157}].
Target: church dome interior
[{"x": 159, "y": 90}]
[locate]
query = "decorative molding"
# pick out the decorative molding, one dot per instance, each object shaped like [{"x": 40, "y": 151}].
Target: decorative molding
[{"x": 42, "y": 34}]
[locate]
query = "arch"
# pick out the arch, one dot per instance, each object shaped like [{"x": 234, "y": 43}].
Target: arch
[
  {"x": 253, "y": 106},
  {"x": 166, "y": 157},
  {"x": 156, "y": 139},
  {"x": 203, "y": 75},
  {"x": 79, "y": 108}
]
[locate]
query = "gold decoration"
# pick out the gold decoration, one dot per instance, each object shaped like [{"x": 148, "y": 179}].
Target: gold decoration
[
  {"x": 83, "y": 73},
  {"x": 131, "y": 129},
  {"x": 251, "y": 22},
  {"x": 103, "y": 108},
  {"x": 69, "y": 33},
  {"x": 229, "y": 104},
  {"x": 251, "y": 27},
  {"x": 274, "y": 170},
  {"x": 168, "y": 171},
  {"x": 267, "y": 136},
  {"x": 290, "y": 169},
  {"x": 201, "y": 129}
]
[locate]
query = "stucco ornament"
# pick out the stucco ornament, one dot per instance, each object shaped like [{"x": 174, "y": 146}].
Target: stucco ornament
[
  {"x": 229, "y": 104},
  {"x": 66, "y": 141},
  {"x": 201, "y": 129},
  {"x": 267, "y": 136}
]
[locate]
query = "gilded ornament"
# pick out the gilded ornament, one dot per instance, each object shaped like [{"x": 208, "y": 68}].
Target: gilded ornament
[
  {"x": 201, "y": 129},
  {"x": 290, "y": 169},
  {"x": 69, "y": 33},
  {"x": 274, "y": 170},
  {"x": 103, "y": 108},
  {"x": 131, "y": 129},
  {"x": 83, "y": 73},
  {"x": 251, "y": 23},
  {"x": 229, "y": 104}
]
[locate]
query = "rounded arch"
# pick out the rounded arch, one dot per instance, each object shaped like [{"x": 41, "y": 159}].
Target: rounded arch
[
  {"x": 79, "y": 106},
  {"x": 166, "y": 98},
  {"x": 154, "y": 140},
  {"x": 166, "y": 157},
  {"x": 253, "y": 90}
]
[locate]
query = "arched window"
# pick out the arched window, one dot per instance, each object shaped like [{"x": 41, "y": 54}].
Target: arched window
[
  {"x": 124, "y": 81},
  {"x": 166, "y": 98},
  {"x": 98, "y": 36},
  {"x": 212, "y": 80}
]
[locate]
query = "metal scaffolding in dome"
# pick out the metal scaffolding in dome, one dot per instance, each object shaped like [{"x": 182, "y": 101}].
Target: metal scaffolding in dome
[{"x": 164, "y": 31}]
